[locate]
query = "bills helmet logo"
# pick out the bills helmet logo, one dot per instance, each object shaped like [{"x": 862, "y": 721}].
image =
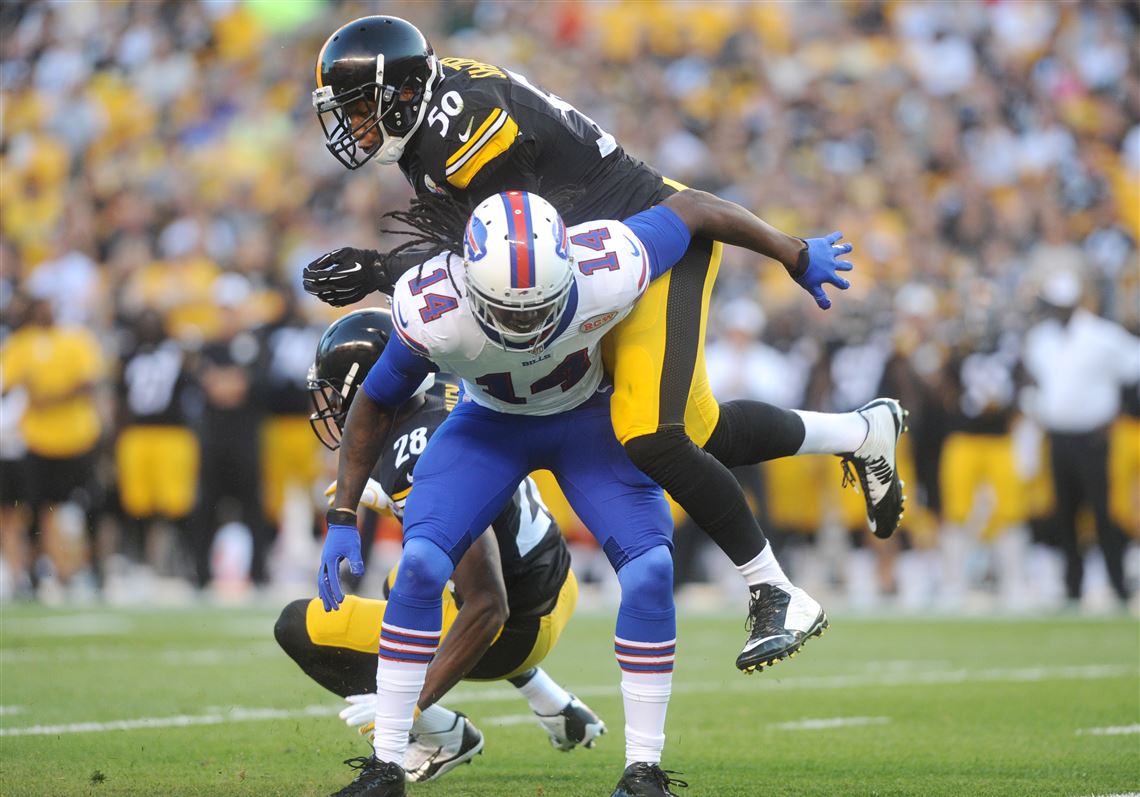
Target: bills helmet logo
[
  {"x": 475, "y": 240},
  {"x": 561, "y": 242}
]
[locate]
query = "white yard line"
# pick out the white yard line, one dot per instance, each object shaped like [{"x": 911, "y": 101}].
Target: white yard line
[
  {"x": 179, "y": 721},
  {"x": 68, "y": 625},
  {"x": 829, "y": 723},
  {"x": 1118, "y": 730},
  {"x": 500, "y": 694},
  {"x": 7, "y": 711}
]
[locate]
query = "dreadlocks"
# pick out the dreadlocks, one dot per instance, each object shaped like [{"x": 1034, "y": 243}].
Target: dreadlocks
[{"x": 438, "y": 221}]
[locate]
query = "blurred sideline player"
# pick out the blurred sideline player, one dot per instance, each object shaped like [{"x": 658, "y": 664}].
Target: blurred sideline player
[
  {"x": 514, "y": 590},
  {"x": 468, "y": 130},
  {"x": 979, "y": 452},
  {"x": 60, "y": 368},
  {"x": 156, "y": 451}
]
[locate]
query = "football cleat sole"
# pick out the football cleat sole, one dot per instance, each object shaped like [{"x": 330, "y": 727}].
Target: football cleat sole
[{"x": 821, "y": 625}]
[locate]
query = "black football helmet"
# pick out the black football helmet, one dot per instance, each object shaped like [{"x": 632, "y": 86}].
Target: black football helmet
[
  {"x": 346, "y": 352},
  {"x": 386, "y": 64}
]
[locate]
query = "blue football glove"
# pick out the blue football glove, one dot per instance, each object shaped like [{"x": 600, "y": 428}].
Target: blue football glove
[
  {"x": 342, "y": 542},
  {"x": 818, "y": 265}
]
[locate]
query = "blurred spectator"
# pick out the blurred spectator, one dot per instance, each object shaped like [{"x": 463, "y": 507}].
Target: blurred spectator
[
  {"x": 1080, "y": 363},
  {"x": 290, "y": 453},
  {"x": 59, "y": 367}
]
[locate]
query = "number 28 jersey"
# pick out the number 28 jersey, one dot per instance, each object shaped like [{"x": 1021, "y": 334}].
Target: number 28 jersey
[{"x": 433, "y": 318}]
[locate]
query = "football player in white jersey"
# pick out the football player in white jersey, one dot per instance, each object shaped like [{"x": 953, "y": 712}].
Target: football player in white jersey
[{"x": 520, "y": 317}]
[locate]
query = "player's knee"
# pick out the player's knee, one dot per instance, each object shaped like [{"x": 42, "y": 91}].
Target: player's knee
[
  {"x": 423, "y": 571},
  {"x": 290, "y": 630},
  {"x": 647, "y": 581},
  {"x": 659, "y": 450}
]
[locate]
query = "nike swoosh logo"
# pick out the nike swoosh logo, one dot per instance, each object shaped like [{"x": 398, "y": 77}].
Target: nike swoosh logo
[
  {"x": 636, "y": 251},
  {"x": 751, "y": 645},
  {"x": 467, "y": 135},
  {"x": 400, "y": 317},
  {"x": 356, "y": 267}
]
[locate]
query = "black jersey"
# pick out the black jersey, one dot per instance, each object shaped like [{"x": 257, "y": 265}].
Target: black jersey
[
  {"x": 986, "y": 386},
  {"x": 534, "y": 555},
  {"x": 153, "y": 383},
  {"x": 487, "y": 130}
]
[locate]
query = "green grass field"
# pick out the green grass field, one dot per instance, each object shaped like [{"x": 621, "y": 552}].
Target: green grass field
[{"x": 201, "y": 702}]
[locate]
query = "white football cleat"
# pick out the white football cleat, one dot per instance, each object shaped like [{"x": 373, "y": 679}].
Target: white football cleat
[
  {"x": 432, "y": 755},
  {"x": 574, "y": 725},
  {"x": 875, "y": 466}
]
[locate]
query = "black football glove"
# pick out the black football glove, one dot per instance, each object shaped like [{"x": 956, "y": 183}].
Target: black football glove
[{"x": 344, "y": 276}]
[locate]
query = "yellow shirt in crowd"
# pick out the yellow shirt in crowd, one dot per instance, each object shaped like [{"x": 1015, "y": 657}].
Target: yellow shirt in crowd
[{"x": 51, "y": 362}]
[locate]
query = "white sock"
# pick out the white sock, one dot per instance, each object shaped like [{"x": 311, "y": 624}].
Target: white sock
[
  {"x": 764, "y": 569},
  {"x": 832, "y": 432},
  {"x": 399, "y": 681},
  {"x": 645, "y": 696},
  {"x": 545, "y": 696},
  {"x": 434, "y": 719}
]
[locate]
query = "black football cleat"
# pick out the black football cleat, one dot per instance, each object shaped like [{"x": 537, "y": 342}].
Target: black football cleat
[
  {"x": 779, "y": 622},
  {"x": 876, "y": 471},
  {"x": 376, "y": 779},
  {"x": 647, "y": 780}
]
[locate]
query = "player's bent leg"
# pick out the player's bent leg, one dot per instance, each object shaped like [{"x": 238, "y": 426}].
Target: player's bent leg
[
  {"x": 335, "y": 649},
  {"x": 663, "y": 408},
  {"x": 749, "y": 432},
  {"x": 568, "y": 722}
]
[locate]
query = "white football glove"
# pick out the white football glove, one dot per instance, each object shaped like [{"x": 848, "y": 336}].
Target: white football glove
[
  {"x": 373, "y": 498},
  {"x": 360, "y": 713}
]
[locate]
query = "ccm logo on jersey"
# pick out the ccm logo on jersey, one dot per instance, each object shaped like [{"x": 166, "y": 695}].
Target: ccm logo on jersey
[{"x": 590, "y": 324}]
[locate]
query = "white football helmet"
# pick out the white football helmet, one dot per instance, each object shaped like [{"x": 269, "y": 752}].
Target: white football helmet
[{"x": 517, "y": 269}]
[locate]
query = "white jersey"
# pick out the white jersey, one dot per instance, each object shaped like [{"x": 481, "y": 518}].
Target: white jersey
[{"x": 432, "y": 315}]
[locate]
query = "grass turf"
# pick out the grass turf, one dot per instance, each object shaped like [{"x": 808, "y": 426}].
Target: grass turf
[{"x": 949, "y": 707}]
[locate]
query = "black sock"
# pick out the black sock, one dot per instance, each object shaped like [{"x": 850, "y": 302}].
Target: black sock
[
  {"x": 752, "y": 431},
  {"x": 522, "y": 679}
]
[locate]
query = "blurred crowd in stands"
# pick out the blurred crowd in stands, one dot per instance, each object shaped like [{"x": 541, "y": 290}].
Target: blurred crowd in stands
[{"x": 164, "y": 180}]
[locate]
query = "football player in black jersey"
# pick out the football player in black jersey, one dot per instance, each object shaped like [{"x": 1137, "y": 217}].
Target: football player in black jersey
[
  {"x": 468, "y": 129},
  {"x": 514, "y": 590}
]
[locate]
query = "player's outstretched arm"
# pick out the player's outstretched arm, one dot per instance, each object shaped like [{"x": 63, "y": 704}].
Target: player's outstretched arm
[
  {"x": 812, "y": 263},
  {"x": 365, "y": 430},
  {"x": 346, "y": 276},
  {"x": 479, "y": 586}
]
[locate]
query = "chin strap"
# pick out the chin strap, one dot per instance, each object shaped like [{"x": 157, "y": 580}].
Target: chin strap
[{"x": 392, "y": 149}]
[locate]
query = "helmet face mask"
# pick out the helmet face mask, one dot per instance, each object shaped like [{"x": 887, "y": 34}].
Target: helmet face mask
[
  {"x": 517, "y": 269},
  {"x": 331, "y": 398},
  {"x": 345, "y": 354},
  {"x": 375, "y": 78}
]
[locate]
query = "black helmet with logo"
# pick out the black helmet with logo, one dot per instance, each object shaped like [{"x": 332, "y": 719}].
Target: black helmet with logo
[{"x": 374, "y": 73}]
